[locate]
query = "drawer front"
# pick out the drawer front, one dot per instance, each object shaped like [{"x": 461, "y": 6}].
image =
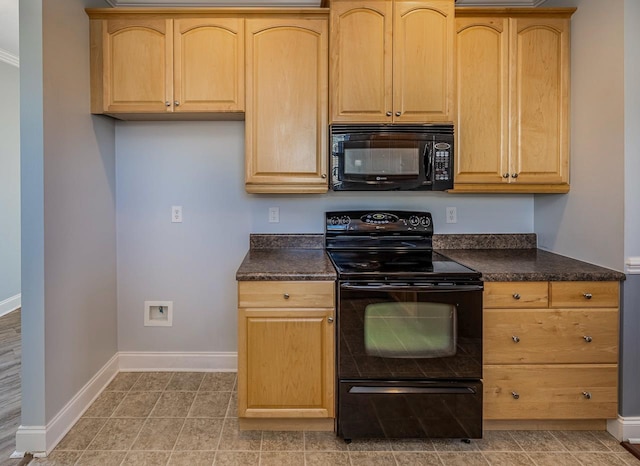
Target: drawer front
[
  {"x": 550, "y": 336},
  {"x": 551, "y": 391},
  {"x": 504, "y": 295},
  {"x": 319, "y": 294},
  {"x": 584, "y": 294}
]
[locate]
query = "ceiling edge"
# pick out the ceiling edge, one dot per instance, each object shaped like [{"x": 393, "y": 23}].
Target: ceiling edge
[
  {"x": 216, "y": 3},
  {"x": 500, "y": 3},
  {"x": 9, "y": 58}
]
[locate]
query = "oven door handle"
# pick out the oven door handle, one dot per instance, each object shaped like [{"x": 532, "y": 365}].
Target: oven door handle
[
  {"x": 410, "y": 390},
  {"x": 436, "y": 288}
]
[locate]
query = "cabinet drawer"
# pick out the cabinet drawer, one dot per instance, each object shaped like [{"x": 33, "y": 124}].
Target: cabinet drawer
[
  {"x": 550, "y": 336},
  {"x": 516, "y": 295},
  {"x": 584, "y": 294},
  {"x": 286, "y": 294},
  {"x": 551, "y": 391}
]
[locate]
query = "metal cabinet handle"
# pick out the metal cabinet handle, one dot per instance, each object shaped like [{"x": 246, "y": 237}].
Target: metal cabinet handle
[
  {"x": 389, "y": 113},
  {"x": 286, "y": 296},
  {"x": 330, "y": 320},
  {"x": 505, "y": 175},
  {"x": 324, "y": 175},
  {"x": 176, "y": 103},
  {"x": 515, "y": 395},
  {"x": 167, "y": 104},
  {"x": 398, "y": 113},
  {"x": 587, "y": 295},
  {"x": 514, "y": 175},
  {"x": 515, "y": 339},
  {"x": 516, "y": 296},
  {"x": 587, "y": 339},
  {"x": 587, "y": 395}
]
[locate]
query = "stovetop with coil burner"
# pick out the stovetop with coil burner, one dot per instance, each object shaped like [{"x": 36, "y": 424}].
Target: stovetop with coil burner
[{"x": 396, "y": 245}]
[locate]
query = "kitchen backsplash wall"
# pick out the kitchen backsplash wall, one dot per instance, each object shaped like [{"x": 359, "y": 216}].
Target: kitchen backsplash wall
[{"x": 200, "y": 166}]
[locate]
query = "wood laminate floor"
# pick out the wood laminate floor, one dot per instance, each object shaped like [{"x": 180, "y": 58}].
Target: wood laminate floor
[{"x": 10, "y": 356}]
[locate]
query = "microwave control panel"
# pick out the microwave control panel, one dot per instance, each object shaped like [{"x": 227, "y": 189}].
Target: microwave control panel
[{"x": 441, "y": 163}]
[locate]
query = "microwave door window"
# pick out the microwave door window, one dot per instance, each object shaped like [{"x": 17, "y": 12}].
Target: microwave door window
[{"x": 379, "y": 159}]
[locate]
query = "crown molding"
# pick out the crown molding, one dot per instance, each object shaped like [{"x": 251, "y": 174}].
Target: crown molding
[
  {"x": 9, "y": 58},
  {"x": 500, "y": 3},
  {"x": 215, "y": 3}
]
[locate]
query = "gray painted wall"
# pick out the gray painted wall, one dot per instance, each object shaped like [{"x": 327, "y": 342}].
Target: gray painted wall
[
  {"x": 32, "y": 213},
  {"x": 630, "y": 355},
  {"x": 200, "y": 165},
  {"x": 69, "y": 240},
  {"x": 9, "y": 182},
  {"x": 588, "y": 223}
]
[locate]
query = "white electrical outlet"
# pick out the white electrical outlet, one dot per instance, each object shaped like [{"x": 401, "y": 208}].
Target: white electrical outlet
[
  {"x": 176, "y": 214},
  {"x": 452, "y": 215},
  {"x": 274, "y": 214}
]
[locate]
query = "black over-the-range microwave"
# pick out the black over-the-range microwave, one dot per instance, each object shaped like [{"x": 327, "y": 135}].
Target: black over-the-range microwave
[{"x": 391, "y": 157}]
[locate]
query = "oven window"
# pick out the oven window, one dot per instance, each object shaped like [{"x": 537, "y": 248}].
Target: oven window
[
  {"x": 381, "y": 161},
  {"x": 410, "y": 330}
]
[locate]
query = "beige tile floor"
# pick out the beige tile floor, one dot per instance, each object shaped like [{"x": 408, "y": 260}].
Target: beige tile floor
[{"x": 189, "y": 418}]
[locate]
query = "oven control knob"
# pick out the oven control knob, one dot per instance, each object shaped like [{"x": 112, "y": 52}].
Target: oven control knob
[
  {"x": 425, "y": 221},
  {"x": 414, "y": 220},
  {"x": 334, "y": 220},
  {"x": 345, "y": 220}
]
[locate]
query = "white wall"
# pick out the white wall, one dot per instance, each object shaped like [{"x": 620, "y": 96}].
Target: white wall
[
  {"x": 69, "y": 240},
  {"x": 200, "y": 165},
  {"x": 588, "y": 223},
  {"x": 9, "y": 186}
]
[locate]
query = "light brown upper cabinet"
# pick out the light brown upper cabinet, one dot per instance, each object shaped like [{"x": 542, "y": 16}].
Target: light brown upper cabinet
[
  {"x": 286, "y": 117},
  {"x": 513, "y": 100},
  {"x": 144, "y": 65},
  {"x": 392, "y": 61}
]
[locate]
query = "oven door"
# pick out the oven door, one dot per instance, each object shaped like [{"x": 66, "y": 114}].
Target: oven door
[
  {"x": 410, "y": 360},
  {"x": 402, "y": 331}
]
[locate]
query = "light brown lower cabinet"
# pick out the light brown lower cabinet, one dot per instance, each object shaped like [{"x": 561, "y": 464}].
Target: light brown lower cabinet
[
  {"x": 286, "y": 350},
  {"x": 551, "y": 350}
]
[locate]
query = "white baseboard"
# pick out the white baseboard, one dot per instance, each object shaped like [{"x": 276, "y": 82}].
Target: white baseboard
[
  {"x": 41, "y": 440},
  {"x": 10, "y": 304},
  {"x": 624, "y": 428},
  {"x": 178, "y": 361}
]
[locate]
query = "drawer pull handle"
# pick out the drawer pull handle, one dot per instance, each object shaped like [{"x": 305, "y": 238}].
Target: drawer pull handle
[
  {"x": 587, "y": 395},
  {"x": 587, "y": 339},
  {"x": 516, "y": 296},
  {"x": 286, "y": 296},
  {"x": 587, "y": 295},
  {"x": 330, "y": 320},
  {"x": 515, "y": 339},
  {"x": 515, "y": 395}
]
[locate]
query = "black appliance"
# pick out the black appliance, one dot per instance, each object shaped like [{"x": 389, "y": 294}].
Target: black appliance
[
  {"x": 409, "y": 323},
  {"x": 391, "y": 157}
]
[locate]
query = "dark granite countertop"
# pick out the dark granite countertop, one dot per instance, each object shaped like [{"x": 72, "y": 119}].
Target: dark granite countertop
[
  {"x": 529, "y": 265},
  {"x": 512, "y": 257},
  {"x": 286, "y": 257}
]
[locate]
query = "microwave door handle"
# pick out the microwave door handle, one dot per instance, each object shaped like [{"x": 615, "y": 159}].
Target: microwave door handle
[{"x": 428, "y": 157}]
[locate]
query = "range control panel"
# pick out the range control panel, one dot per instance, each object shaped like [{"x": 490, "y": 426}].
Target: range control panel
[{"x": 392, "y": 221}]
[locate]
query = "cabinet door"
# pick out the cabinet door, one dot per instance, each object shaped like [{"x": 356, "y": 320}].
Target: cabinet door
[
  {"x": 482, "y": 150},
  {"x": 540, "y": 102},
  {"x": 138, "y": 58},
  {"x": 423, "y": 58},
  {"x": 209, "y": 64},
  {"x": 286, "y": 119},
  {"x": 361, "y": 61},
  {"x": 285, "y": 363}
]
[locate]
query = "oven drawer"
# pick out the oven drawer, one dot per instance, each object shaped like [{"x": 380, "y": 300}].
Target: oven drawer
[
  {"x": 550, "y": 336},
  {"x": 283, "y": 294},
  {"x": 562, "y": 391},
  {"x": 504, "y": 295},
  {"x": 584, "y": 294}
]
